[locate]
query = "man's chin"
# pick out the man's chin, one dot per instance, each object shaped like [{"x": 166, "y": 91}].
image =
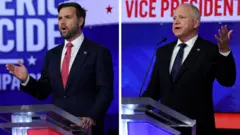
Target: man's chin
[
  {"x": 178, "y": 35},
  {"x": 65, "y": 36}
]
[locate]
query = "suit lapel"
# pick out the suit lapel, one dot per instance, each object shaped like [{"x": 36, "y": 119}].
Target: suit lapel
[
  {"x": 57, "y": 61},
  {"x": 78, "y": 62},
  {"x": 166, "y": 61},
  {"x": 192, "y": 59}
]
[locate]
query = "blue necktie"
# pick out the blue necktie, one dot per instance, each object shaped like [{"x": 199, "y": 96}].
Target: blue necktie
[{"x": 178, "y": 61}]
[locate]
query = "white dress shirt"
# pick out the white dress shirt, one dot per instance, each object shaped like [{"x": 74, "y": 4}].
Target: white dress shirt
[
  {"x": 187, "y": 49},
  {"x": 76, "y": 46}
]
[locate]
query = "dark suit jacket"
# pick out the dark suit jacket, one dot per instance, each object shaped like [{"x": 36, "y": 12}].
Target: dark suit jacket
[
  {"x": 89, "y": 89},
  {"x": 191, "y": 93}
]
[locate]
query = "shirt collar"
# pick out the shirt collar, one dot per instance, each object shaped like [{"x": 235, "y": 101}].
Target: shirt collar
[
  {"x": 190, "y": 42},
  {"x": 76, "y": 42}
]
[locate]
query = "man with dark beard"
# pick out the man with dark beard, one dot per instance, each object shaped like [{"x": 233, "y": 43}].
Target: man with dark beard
[{"x": 78, "y": 73}]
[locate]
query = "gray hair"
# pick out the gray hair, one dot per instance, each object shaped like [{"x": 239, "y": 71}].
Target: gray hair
[{"x": 195, "y": 10}]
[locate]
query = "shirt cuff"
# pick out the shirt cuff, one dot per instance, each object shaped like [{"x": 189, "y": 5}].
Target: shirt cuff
[
  {"x": 26, "y": 82},
  {"x": 225, "y": 53}
]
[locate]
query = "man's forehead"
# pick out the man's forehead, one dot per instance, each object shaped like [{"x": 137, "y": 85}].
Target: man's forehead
[
  {"x": 67, "y": 9},
  {"x": 182, "y": 11},
  {"x": 66, "y": 12}
]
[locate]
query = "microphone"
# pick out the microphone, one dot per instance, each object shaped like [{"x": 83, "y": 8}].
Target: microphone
[{"x": 163, "y": 40}]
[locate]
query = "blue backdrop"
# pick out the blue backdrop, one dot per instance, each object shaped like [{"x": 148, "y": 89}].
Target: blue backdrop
[
  {"x": 28, "y": 32},
  {"x": 138, "y": 43},
  {"x": 28, "y": 29}
]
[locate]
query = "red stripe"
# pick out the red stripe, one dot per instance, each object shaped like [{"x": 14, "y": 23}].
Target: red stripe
[{"x": 227, "y": 120}]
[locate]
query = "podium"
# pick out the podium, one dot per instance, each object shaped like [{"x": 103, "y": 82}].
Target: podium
[
  {"x": 145, "y": 116},
  {"x": 38, "y": 120}
]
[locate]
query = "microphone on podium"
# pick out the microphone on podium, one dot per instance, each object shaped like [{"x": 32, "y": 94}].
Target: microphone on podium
[{"x": 163, "y": 40}]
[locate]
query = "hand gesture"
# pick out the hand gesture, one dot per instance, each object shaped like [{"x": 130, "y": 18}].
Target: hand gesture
[
  {"x": 223, "y": 39},
  {"x": 19, "y": 72}
]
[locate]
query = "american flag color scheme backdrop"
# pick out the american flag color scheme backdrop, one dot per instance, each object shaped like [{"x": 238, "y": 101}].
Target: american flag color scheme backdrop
[
  {"x": 145, "y": 23},
  {"x": 28, "y": 29}
]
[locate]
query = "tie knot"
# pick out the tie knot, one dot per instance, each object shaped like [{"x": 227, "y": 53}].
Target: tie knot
[
  {"x": 69, "y": 45},
  {"x": 182, "y": 45}
]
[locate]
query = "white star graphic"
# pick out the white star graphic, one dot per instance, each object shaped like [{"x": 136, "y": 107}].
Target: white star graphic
[{"x": 32, "y": 61}]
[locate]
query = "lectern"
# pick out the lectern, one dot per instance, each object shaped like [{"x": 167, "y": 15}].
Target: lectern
[
  {"x": 38, "y": 120},
  {"x": 145, "y": 116}
]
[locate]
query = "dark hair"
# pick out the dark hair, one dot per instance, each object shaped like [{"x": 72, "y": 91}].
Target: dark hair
[{"x": 80, "y": 12}]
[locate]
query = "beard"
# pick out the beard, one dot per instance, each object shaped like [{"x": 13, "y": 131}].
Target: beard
[{"x": 69, "y": 34}]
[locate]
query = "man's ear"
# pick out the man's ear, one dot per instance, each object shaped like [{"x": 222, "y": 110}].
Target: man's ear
[
  {"x": 196, "y": 23},
  {"x": 80, "y": 21}
]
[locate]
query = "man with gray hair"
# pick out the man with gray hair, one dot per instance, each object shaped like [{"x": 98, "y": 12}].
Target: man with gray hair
[{"x": 185, "y": 70}]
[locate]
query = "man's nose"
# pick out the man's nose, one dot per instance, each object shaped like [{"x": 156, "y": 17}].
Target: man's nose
[
  {"x": 63, "y": 21},
  {"x": 176, "y": 21}
]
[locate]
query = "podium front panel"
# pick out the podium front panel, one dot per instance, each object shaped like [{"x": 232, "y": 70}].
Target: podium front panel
[
  {"x": 155, "y": 109},
  {"x": 16, "y": 120},
  {"x": 145, "y": 112},
  {"x": 131, "y": 125},
  {"x": 145, "y": 128}
]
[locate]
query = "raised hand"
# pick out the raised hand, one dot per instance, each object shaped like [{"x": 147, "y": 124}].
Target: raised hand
[
  {"x": 223, "y": 39},
  {"x": 19, "y": 72}
]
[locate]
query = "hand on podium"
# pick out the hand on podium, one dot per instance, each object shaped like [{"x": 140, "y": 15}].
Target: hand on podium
[{"x": 87, "y": 123}]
